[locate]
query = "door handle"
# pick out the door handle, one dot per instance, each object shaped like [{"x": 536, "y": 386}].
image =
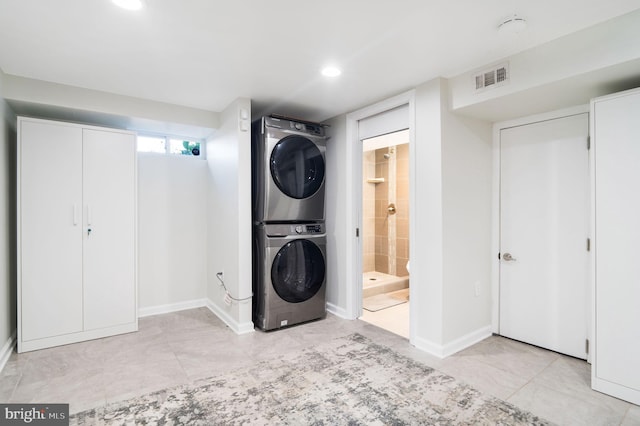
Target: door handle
[{"x": 508, "y": 258}]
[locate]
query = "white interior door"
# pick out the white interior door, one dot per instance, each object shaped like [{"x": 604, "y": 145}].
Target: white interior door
[
  {"x": 109, "y": 231},
  {"x": 544, "y": 225}
]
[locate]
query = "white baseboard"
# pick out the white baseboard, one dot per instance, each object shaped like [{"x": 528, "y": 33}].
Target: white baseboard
[
  {"x": 428, "y": 347},
  {"x": 443, "y": 351},
  {"x": 171, "y": 307},
  {"x": 467, "y": 340},
  {"x": 238, "y": 328},
  {"x": 337, "y": 311},
  {"x": 7, "y": 350}
]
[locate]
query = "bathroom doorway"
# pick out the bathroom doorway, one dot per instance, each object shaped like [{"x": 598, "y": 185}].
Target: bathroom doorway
[{"x": 385, "y": 231}]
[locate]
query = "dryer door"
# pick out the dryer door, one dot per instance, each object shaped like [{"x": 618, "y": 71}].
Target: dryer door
[
  {"x": 297, "y": 167},
  {"x": 298, "y": 271}
]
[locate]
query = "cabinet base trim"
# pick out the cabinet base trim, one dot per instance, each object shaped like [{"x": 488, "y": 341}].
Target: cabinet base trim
[
  {"x": 66, "y": 339},
  {"x": 7, "y": 350},
  {"x": 613, "y": 389}
]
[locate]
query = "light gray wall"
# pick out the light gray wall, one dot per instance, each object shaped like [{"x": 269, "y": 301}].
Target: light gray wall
[
  {"x": 229, "y": 217},
  {"x": 564, "y": 72},
  {"x": 466, "y": 225},
  {"x": 172, "y": 224},
  {"x": 7, "y": 220},
  {"x": 451, "y": 221},
  {"x": 427, "y": 241},
  {"x": 136, "y": 112},
  {"x": 336, "y": 219}
]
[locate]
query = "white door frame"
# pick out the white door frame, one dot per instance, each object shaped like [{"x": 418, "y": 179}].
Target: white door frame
[
  {"x": 495, "y": 219},
  {"x": 354, "y": 199}
]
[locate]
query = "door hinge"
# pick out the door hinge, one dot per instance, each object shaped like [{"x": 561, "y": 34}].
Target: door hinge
[
  {"x": 498, "y": 256},
  {"x": 588, "y": 143},
  {"x": 588, "y": 244},
  {"x": 586, "y": 346},
  {"x": 357, "y": 232}
]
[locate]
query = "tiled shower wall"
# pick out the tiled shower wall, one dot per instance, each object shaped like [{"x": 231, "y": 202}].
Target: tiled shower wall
[
  {"x": 368, "y": 213},
  {"x": 386, "y": 237},
  {"x": 402, "y": 208},
  {"x": 383, "y": 221}
]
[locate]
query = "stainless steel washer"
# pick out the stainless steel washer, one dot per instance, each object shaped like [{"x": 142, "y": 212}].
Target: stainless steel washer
[
  {"x": 288, "y": 170},
  {"x": 289, "y": 274}
]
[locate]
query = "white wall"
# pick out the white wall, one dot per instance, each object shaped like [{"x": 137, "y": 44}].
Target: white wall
[
  {"x": 427, "y": 238},
  {"x": 564, "y": 72},
  {"x": 172, "y": 230},
  {"x": 229, "y": 217},
  {"x": 7, "y": 221},
  {"x": 336, "y": 218},
  {"x": 450, "y": 223},
  {"x": 466, "y": 224},
  {"x": 125, "y": 111}
]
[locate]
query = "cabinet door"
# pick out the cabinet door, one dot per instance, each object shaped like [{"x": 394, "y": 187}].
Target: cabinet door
[
  {"x": 616, "y": 368},
  {"x": 109, "y": 228},
  {"x": 50, "y": 230}
]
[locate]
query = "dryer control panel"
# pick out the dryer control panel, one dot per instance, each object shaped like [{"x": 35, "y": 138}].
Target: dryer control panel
[
  {"x": 307, "y": 127},
  {"x": 287, "y": 229}
]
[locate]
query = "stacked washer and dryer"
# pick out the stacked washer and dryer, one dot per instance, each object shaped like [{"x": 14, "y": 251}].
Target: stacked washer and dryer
[{"x": 289, "y": 240}]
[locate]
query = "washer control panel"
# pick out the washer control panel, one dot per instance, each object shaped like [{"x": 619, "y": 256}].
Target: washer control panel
[{"x": 309, "y": 229}]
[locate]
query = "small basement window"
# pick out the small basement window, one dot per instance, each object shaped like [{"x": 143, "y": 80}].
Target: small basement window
[
  {"x": 184, "y": 147},
  {"x": 169, "y": 145},
  {"x": 152, "y": 144}
]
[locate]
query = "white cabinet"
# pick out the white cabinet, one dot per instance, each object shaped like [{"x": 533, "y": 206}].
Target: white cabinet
[
  {"x": 615, "y": 128},
  {"x": 76, "y": 233}
]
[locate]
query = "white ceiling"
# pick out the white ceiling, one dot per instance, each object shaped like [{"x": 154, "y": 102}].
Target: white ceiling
[{"x": 206, "y": 53}]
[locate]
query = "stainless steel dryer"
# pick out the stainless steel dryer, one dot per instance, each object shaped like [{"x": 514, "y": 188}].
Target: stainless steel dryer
[
  {"x": 289, "y": 274},
  {"x": 288, "y": 170}
]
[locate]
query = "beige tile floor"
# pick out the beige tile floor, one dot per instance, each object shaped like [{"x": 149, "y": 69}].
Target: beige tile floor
[
  {"x": 394, "y": 319},
  {"x": 181, "y": 347}
]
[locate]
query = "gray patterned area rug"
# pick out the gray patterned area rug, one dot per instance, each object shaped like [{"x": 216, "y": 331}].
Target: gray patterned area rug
[{"x": 346, "y": 381}]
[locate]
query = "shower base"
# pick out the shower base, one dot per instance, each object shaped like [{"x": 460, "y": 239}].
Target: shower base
[{"x": 378, "y": 283}]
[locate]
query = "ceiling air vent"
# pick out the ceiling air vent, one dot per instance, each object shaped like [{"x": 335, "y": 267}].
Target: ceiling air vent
[{"x": 493, "y": 77}]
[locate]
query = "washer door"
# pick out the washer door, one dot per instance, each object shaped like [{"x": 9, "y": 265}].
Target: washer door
[
  {"x": 297, "y": 166},
  {"x": 298, "y": 270}
]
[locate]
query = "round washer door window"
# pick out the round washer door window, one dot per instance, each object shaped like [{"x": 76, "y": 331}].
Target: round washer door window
[
  {"x": 297, "y": 167},
  {"x": 298, "y": 270}
]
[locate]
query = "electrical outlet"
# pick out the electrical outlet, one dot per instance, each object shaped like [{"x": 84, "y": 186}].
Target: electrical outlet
[{"x": 477, "y": 288}]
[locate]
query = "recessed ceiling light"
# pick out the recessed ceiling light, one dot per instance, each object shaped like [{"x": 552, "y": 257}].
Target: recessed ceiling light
[
  {"x": 331, "y": 71},
  {"x": 129, "y": 4},
  {"x": 513, "y": 24}
]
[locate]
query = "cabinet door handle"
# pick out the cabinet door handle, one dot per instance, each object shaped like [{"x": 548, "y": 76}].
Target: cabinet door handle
[{"x": 75, "y": 214}]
